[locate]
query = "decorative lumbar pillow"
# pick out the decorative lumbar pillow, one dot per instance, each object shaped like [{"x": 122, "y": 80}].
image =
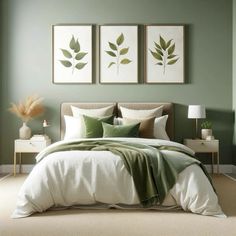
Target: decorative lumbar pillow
[
  {"x": 160, "y": 128},
  {"x": 100, "y": 112},
  {"x": 133, "y": 114},
  {"x": 131, "y": 130},
  {"x": 146, "y": 128},
  {"x": 74, "y": 128},
  {"x": 93, "y": 126}
]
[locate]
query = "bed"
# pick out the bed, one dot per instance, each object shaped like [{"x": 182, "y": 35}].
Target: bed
[{"x": 116, "y": 170}]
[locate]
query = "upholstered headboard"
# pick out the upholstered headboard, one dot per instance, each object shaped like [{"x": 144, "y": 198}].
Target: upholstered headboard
[
  {"x": 168, "y": 109},
  {"x": 66, "y": 110}
]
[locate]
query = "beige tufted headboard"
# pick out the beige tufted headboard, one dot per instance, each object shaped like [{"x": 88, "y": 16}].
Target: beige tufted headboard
[{"x": 167, "y": 110}]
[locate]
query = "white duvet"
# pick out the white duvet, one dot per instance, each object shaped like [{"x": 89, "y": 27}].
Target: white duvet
[{"x": 99, "y": 178}]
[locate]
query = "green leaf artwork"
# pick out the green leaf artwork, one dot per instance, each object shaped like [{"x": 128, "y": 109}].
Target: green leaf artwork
[
  {"x": 73, "y": 55},
  {"x": 116, "y": 51},
  {"x": 164, "y": 53}
]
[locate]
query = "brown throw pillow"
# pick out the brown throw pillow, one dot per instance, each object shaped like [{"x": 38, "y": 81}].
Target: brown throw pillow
[{"x": 146, "y": 127}]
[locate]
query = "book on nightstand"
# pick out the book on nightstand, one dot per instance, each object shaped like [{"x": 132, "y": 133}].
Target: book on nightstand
[{"x": 39, "y": 137}]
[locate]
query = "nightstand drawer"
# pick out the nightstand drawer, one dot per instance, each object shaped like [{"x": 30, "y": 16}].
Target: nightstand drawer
[
  {"x": 30, "y": 146},
  {"x": 203, "y": 145}
]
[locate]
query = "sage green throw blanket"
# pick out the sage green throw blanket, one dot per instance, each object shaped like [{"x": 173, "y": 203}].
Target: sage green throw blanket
[{"x": 154, "y": 174}]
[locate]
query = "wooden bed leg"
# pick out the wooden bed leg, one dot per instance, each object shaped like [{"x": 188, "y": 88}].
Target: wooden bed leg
[
  {"x": 218, "y": 162},
  {"x": 212, "y": 162},
  {"x": 14, "y": 166}
]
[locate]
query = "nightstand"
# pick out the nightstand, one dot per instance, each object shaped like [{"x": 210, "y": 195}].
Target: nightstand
[
  {"x": 28, "y": 146},
  {"x": 205, "y": 146}
]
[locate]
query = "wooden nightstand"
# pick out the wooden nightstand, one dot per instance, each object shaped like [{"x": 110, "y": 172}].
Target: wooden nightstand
[
  {"x": 205, "y": 146},
  {"x": 28, "y": 146}
]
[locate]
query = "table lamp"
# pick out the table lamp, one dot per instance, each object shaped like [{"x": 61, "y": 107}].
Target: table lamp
[
  {"x": 196, "y": 112},
  {"x": 45, "y": 125}
]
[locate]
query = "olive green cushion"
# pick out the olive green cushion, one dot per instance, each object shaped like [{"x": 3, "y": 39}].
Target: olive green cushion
[
  {"x": 131, "y": 130},
  {"x": 93, "y": 126}
]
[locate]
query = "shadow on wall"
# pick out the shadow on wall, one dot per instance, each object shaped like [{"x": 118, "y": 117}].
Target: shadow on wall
[
  {"x": 234, "y": 154},
  {"x": 51, "y": 116},
  {"x": 234, "y": 143},
  {"x": 53, "y": 131},
  {"x": 222, "y": 125}
]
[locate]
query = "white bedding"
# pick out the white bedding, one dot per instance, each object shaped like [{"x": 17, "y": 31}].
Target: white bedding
[{"x": 90, "y": 178}]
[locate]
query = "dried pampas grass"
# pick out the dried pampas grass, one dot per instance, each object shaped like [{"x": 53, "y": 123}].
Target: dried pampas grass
[{"x": 28, "y": 109}]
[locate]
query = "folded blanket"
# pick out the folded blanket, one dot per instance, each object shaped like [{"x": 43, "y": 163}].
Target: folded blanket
[{"x": 154, "y": 174}]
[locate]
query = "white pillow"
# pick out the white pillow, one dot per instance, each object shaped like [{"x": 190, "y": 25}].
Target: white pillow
[
  {"x": 140, "y": 114},
  {"x": 117, "y": 121},
  {"x": 160, "y": 128},
  {"x": 99, "y": 112},
  {"x": 75, "y": 127}
]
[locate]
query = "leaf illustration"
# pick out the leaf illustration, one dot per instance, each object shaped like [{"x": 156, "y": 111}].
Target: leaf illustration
[
  {"x": 72, "y": 42},
  {"x": 66, "y": 63},
  {"x": 80, "y": 55},
  {"x": 77, "y": 46},
  {"x": 162, "y": 43},
  {"x": 171, "y": 49},
  {"x": 172, "y": 61},
  {"x": 80, "y": 65},
  {"x": 168, "y": 43},
  {"x": 156, "y": 55},
  {"x": 66, "y": 53},
  {"x": 159, "y": 52},
  {"x": 125, "y": 61},
  {"x": 74, "y": 54},
  {"x": 112, "y": 63},
  {"x": 112, "y": 46},
  {"x": 111, "y": 53},
  {"x": 123, "y": 51},
  {"x": 158, "y": 46},
  {"x": 171, "y": 56},
  {"x": 117, "y": 53},
  {"x": 120, "y": 39},
  {"x": 164, "y": 53}
]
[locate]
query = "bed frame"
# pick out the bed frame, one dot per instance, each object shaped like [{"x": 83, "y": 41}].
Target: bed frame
[{"x": 168, "y": 109}]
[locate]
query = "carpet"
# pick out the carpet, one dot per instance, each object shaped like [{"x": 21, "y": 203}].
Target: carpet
[{"x": 75, "y": 222}]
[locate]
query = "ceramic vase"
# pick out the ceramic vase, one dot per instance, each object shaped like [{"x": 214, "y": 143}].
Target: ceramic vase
[
  {"x": 206, "y": 132},
  {"x": 24, "y": 131}
]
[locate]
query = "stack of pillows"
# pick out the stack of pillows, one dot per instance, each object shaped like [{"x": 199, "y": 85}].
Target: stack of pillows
[{"x": 97, "y": 123}]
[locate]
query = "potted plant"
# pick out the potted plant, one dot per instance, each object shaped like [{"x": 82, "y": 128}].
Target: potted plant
[
  {"x": 27, "y": 110},
  {"x": 206, "y": 129}
]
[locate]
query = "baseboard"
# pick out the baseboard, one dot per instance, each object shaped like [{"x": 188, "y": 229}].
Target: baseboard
[
  {"x": 223, "y": 168},
  {"x": 6, "y": 176},
  {"x": 9, "y": 168},
  {"x": 28, "y": 168},
  {"x": 233, "y": 169}
]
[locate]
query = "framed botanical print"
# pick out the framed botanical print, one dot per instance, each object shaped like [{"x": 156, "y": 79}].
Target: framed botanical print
[
  {"x": 118, "y": 54},
  {"x": 72, "y": 53},
  {"x": 164, "y": 49}
]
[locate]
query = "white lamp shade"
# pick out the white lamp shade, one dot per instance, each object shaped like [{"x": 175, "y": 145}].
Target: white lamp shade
[{"x": 196, "y": 111}]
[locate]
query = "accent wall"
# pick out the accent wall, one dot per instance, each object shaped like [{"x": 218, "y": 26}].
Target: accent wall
[
  {"x": 234, "y": 78},
  {"x": 26, "y": 62}
]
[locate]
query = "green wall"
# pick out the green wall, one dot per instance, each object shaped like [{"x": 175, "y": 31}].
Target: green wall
[
  {"x": 26, "y": 42},
  {"x": 234, "y": 76}
]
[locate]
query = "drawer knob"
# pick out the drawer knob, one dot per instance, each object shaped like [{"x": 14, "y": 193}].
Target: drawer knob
[{"x": 202, "y": 143}]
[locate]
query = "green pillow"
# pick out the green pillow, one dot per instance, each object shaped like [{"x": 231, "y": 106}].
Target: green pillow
[
  {"x": 120, "y": 130},
  {"x": 93, "y": 126}
]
